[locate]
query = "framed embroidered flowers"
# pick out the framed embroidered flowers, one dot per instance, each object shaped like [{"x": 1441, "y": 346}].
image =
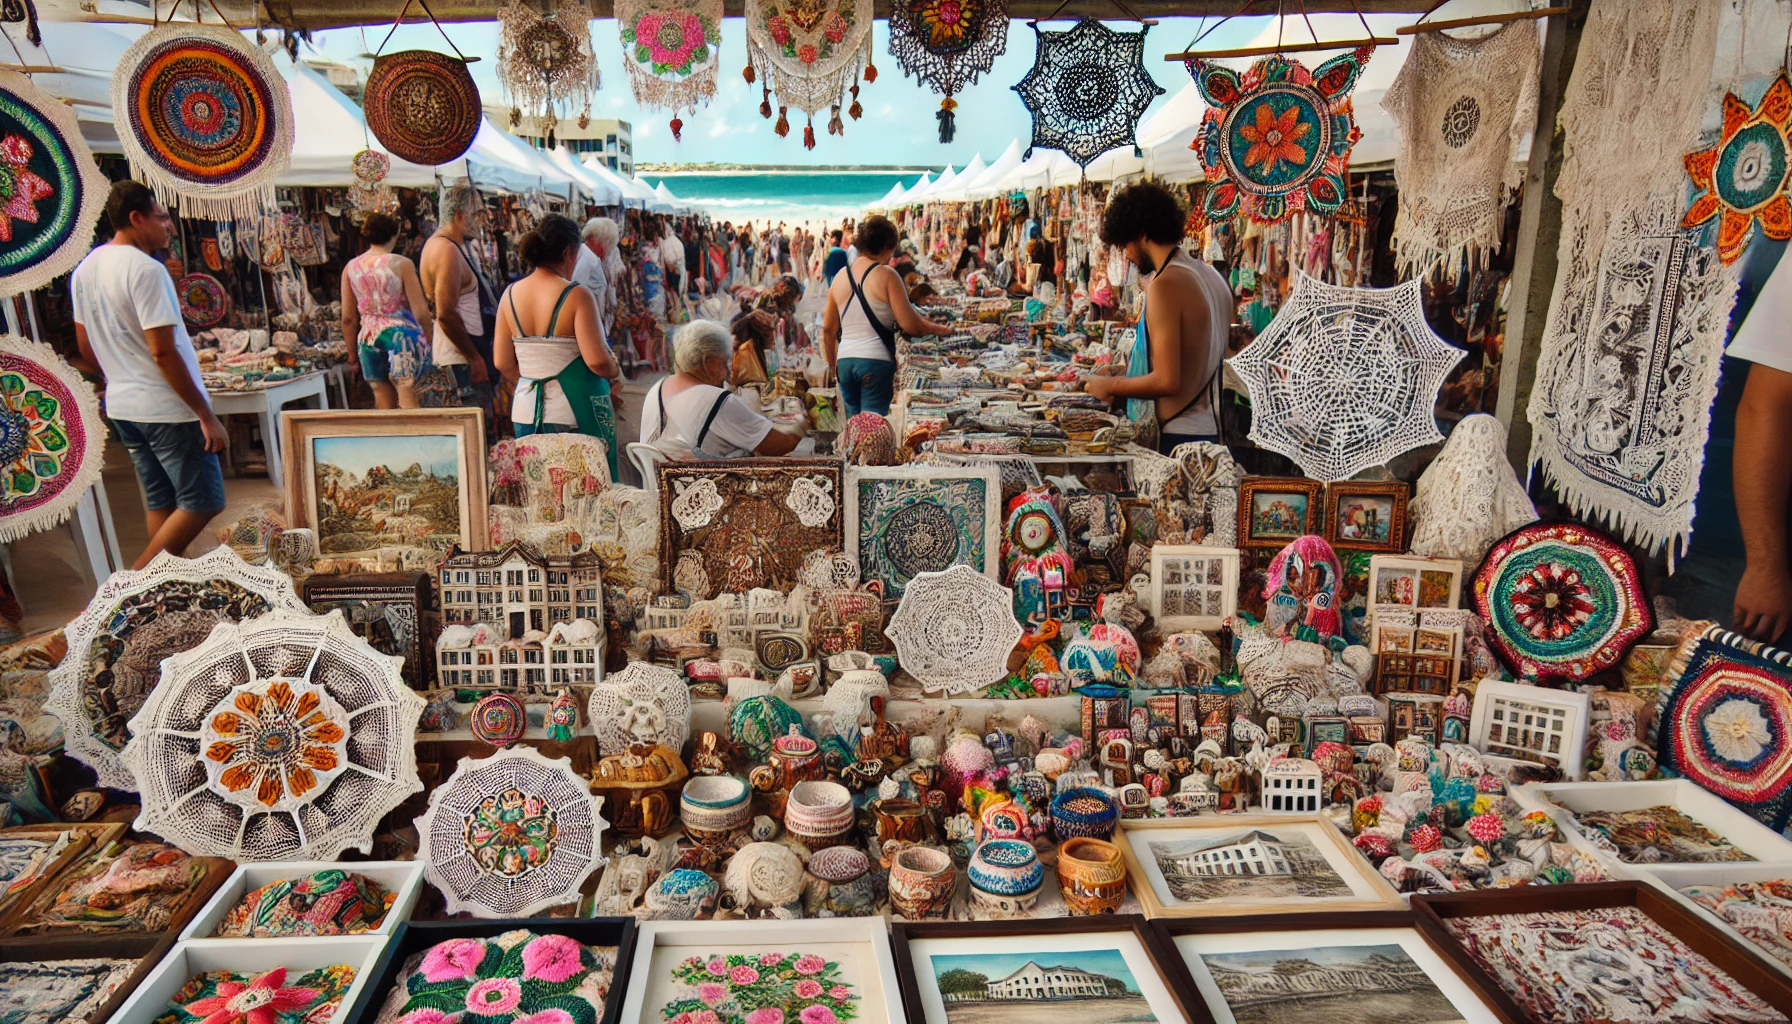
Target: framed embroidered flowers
[
  {"x": 273, "y": 981},
  {"x": 821, "y": 971},
  {"x": 264, "y": 900},
  {"x": 546, "y": 970}
]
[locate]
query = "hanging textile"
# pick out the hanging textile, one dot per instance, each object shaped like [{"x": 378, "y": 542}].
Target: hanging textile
[
  {"x": 204, "y": 118},
  {"x": 422, "y": 106},
  {"x": 1276, "y": 141},
  {"x": 53, "y": 191},
  {"x": 544, "y": 60},
  {"x": 1087, "y": 89},
  {"x": 203, "y": 301},
  {"x": 808, "y": 52},
  {"x": 1463, "y": 106},
  {"x": 948, "y": 44},
  {"x": 1628, "y": 366},
  {"x": 671, "y": 49},
  {"x": 1743, "y": 176},
  {"x": 52, "y": 439}
]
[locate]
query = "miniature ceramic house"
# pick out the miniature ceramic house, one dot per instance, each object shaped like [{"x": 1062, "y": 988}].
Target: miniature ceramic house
[
  {"x": 1291, "y": 786},
  {"x": 517, "y": 590}
]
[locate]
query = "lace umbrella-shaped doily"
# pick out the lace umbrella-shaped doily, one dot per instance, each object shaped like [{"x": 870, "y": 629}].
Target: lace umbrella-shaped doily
[
  {"x": 671, "y": 49},
  {"x": 948, "y": 44},
  {"x": 1563, "y": 601},
  {"x": 1468, "y": 497},
  {"x": 643, "y": 703},
  {"x": 545, "y": 61},
  {"x": 954, "y": 629},
  {"x": 286, "y": 737},
  {"x": 52, "y": 439},
  {"x": 54, "y": 190},
  {"x": 809, "y": 53},
  {"x": 1087, "y": 89},
  {"x": 1345, "y": 378},
  {"x": 511, "y": 835},
  {"x": 137, "y": 618}
]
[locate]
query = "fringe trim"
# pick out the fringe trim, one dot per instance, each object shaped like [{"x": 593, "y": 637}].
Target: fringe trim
[
  {"x": 652, "y": 92},
  {"x": 247, "y": 196},
  {"x": 93, "y": 461},
  {"x": 805, "y": 90},
  {"x": 94, "y": 189}
]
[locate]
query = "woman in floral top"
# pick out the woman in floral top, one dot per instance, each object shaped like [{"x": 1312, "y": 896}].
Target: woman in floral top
[{"x": 389, "y": 317}]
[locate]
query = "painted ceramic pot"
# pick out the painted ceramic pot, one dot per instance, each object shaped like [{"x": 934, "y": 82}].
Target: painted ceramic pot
[
  {"x": 921, "y": 881},
  {"x": 899, "y": 819},
  {"x": 847, "y": 886},
  {"x": 1002, "y": 821},
  {"x": 819, "y": 814},
  {"x": 1092, "y": 876},
  {"x": 1005, "y": 867},
  {"x": 1086, "y": 813},
  {"x": 499, "y": 719},
  {"x": 714, "y": 807}
]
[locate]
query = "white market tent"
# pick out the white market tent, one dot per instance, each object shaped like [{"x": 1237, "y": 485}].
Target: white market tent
[
  {"x": 912, "y": 195},
  {"x": 500, "y": 159},
  {"x": 954, "y": 191},
  {"x": 926, "y": 195},
  {"x": 891, "y": 199},
  {"x": 602, "y": 192},
  {"x": 985, "y": 185},
  {"x": 634, "y": 194},
  {"x": 678, "y": 205},
  {"x": 331, "y": 131}
]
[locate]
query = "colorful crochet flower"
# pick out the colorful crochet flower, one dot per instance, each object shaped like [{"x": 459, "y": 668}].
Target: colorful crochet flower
[
  {"x": 261, "y": 1001},
  {"x": 281, "y": 740},
  {"x": 512, "y": 832},
  {"x": 780, "y": 29},
  {"x": 1425, "y": 838},
  {"x": 1275, "y": 139},
  {"x": 673, "y": 43},
  {"x": 810, "y": 964},
  {"x": 1743, "y": 177},
  {"x": 20, "y": 188},
  {"x": 518, "y": 977},
  {"x": 1486, "y": 828},
  {"x": 552, "y": 958},
  {"x": 771, "y": 988},
  {"x": 33, "y": 444},
  {"x": 492, "y": 997},
  {"x": 807, "y": 53},
  {"x": 1552, "y": 601},
  {"x": 807, "y": 989},
  {"x": 766, "y": 1015}
]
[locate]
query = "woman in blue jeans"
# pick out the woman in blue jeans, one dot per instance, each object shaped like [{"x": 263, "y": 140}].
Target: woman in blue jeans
[{"x": 866, "y": 303}]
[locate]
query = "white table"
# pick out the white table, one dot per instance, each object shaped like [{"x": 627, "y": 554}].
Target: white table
[{"x": 267, "y": 404}]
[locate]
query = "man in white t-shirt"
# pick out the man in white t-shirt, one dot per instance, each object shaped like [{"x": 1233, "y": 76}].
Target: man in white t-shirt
[
  {"x": 701, "y": 419},
  {"x": 128, "y": 322},
  {"x": 1762, "y": 469}
]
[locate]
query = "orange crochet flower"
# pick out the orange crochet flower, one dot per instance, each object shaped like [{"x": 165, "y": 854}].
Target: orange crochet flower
[
  {"x": 1272, "y": 138},
  {"x": 279, "y": 742},
  {"x": 1744, "y": 176}
]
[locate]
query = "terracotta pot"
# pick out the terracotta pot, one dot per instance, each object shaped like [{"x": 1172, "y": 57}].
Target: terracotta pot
[
  {"x": 1092, "y": 876},
  {"x": 921, "y": 882}
]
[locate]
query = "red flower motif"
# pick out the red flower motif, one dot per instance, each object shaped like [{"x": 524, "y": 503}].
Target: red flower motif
[
  {"x": 259, "y": 1002},
  {"x": 807, "y": 53},
  {"x": 780, "y": 29},
  {"x": 20, "y": 189},
  {"x": 1552, "y": 601}
]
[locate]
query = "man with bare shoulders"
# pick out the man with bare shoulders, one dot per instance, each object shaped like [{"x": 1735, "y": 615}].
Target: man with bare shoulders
[
  {"x": 462, "y": 340},
  {"x": 1176, "y": 361}
]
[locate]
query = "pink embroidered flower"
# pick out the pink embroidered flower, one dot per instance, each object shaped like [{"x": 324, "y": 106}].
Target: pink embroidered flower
[
  {"x": 808, "y": 988},
  {"x": 770, "y": 959},
  {"x": 691, "y": 961},
  {"x": 697, "y": 1017},
  {"x": 807, "y": 53},
  {"x": 551, "y": 958},
  {"x": 766, "y": 1015},
  {"x": 780, "y": 29},
  {"x": 456, "y": 958},
  {"x": 262, "y": 1001},
  {"x": 835, "y": 27},
  {"x": 494, "y": 997},
  {"x": 810, "y": 964},
  {"x": 712, "y": 993},
  {"x": 425, "y": 1016},
  {"x": 717, "y": 968},
  {"x": 550, "y": 1016},
  {"x": 743, "y": 975},
  {"x": 840, "y": 992},
  {"x": 818, "y": 1014}
]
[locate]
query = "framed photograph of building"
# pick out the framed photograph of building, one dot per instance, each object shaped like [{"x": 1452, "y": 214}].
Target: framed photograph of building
[
  {"x": 1247, "y": 864},
  {"x": 1365, "y": 968},
  {"x": 387, "y": 489},
  {"x": 1273, "y": 510},
  {"x": 901, "y": 521},
  {"x": 1366, "y": 515},
  {"x": 1193, "y": 587},
  {"x": 1092, "y": 970}
]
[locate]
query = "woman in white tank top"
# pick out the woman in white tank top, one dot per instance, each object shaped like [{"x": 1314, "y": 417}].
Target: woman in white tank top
[{"x": 866, "y": 304}]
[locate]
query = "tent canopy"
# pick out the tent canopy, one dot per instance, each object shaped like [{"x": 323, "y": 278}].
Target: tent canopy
[
  {"x": 331, "y": 130},
  {"x": 678, "y": 205},
  {"x": 602, "y": 193},
  {"x": 985, "y": 185},
  {"x": 954, "y": 192},
  {"x": 634, "y": 194},
  {"x": 501, "y": 159}
]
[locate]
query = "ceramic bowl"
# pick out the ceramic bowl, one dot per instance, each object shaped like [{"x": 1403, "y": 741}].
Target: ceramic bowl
[
  {"x": 713, "y": 806},
  {"x": 1086, "y": 813},
  {"x": 1005, "y": 867},
  {"x": 921, "y": 881},
  {"x": 1092, "y": 876},
  {"x": 819, "y": 814}
]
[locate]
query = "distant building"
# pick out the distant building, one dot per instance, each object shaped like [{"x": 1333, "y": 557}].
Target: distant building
[
  {"x": 1253, "y": 854},
  {"x": 609, "y": 138},
  {"x": 1032, "y": 981}
]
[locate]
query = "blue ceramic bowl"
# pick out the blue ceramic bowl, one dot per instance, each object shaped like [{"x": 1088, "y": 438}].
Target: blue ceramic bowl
[
  {"x": 1006, "y": 867},
  {"x": 1085, "y": 813}
]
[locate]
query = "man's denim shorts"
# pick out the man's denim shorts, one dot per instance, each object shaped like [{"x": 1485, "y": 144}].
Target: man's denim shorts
[{"x": 176, "y": 470}]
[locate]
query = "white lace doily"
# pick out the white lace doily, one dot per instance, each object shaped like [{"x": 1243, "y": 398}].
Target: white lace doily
[
  {"x": 511, "y": 835},
  {"x": 1468, "y": 497},
  {"x": 764, "y": 874},
  {"x": 643, "y": 703},
  {"x": 286, "y": 737},
  {"x": 696, "y": 502},
  {"x": 137, "y": 618},
  {"x": 812, "y": 499},
  {"x": 954, "y": 629},
  {"x": 1345, "y": 378},
  {"x": 830, "y": 570}
]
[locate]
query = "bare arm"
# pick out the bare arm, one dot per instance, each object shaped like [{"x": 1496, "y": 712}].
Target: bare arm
[
  {"x": 413, "y": 291},
  {"x": 1763, "y": 476},
  {"x": 907, "y": 317},
  {"x": 1163, "y": 323},
  {"x": 351, "y": 312},
  {"x": 444, "y": 266},
  {"x": 777, "y": 442},
  {"x": 830, "y": 332},
  {"x": 504, "y": 345},
  {"x": 590, "y": 332},
  {"x": 85, "y": 346},
  {"x": 174, "y": 371}
]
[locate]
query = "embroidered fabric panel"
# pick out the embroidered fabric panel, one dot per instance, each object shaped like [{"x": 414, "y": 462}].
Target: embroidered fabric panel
[
  {"x": 1743, "y": 176},
  {"x": 54, "y": 190},
  {"x": 1087, "y": 89},
  {"x": 734, "y": 525},
  {"x": 671, "y": 49},
  {"x": 1726, "y": 722},
  {"x": 903, "y": 523},
  {"x": 52, "y": 438},
  {"x": 516, "y": 976},
  {"x": 808, "y": 52}
]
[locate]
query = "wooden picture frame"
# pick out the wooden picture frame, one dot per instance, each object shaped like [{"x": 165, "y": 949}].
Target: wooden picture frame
[
  {"x": 1386, "y": 500},
  {"x": 86, "y": 836},
  {"x": 924, "y": 1004},
  {"x": 1298, "y": 519},
  {"x": 955, "y": 487},
  {"x": 389, "y": 610},
  {"x": 1411, "y": 583},
  {"x": 1165, "y": 594},
  {"x": 303, "y": 430},
  {"x": 1180, "y": 941},
  {"x": 1747, "y": 968},
  {"x": 1365, "y": 888},
  {"x": 68, "y": 940}
]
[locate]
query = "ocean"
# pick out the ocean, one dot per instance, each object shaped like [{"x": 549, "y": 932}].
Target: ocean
[{"x": 791, "y": 196}]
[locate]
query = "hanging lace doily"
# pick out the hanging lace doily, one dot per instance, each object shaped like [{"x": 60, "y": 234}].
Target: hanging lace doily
[
  {"x": 1276, "y": 140},
  {"x": 954, "y": 629},
  {"x": 1468, "y": 497},
  {"x": 135, "y": 620},
  {"x": 545, "y": 62},
  {"x": 286, "y": 737},
  {"x": 1087, "y": 89},
  {"x": 1464, "y": 106},
  {"x": 1345, "y": 378},
  {"x": 511, "y": 835},
  {"x": 53, "y": 189},
  {"x": 204, "y": 118},
  {"x": 52, "y": 438},
  {"x": 626, "y": 536},
  {"x": 904, "y": 522},
  {"x": 947, "y": 45},
  {"x": 809, "y": 53},
  {"x": 643, "y": 703},
  {"x": 671, "y": 49}
]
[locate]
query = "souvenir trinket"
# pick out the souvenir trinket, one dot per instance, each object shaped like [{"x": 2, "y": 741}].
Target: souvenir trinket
[
  {"x": 715, "y": 809},
  {"x": 499, "y": 719},
  {"x": 1091, "y": 875},
  {"x": 819, "y": 814},
  {"x": 921, "y": 882},
  {"x": 635, "y": 785},
  {"x": 1086, "y": 813},
  {"x": 1005, "y": 875}
]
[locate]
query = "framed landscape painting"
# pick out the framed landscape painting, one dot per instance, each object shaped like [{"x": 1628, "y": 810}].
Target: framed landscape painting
[
  {"x": 1366, "y": 515},
  {"x": 384, "y": 489},
  {"x": 901, "y": 522},
  {"x": 1273, "y": 510},
  {"x": 1247, "y": 864}
]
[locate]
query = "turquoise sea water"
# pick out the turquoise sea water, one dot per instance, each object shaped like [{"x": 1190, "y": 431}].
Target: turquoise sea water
[{"x": 790, "y": 196}]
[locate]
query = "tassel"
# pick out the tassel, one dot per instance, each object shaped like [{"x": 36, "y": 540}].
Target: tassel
[
  {"x": 677, "y": 129},
  {"x": 948, "y": 127},
  {"x": 809, "y": 135},
  {"x": 783, "y": 125},
  {"x": 749, "y": 74},
  {"x": 765, "y": 104},
  {"x": 871, "y": 72},
  {"x": 837, "y": 126},
  {"x": 516, "y": 117},
  {"x": 855, "y": 110}
]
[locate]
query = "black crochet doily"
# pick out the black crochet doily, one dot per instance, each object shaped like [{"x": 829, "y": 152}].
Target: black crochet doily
[{"x": 1088, "y": 89}]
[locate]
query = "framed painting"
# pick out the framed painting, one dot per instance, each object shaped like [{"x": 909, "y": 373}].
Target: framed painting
[
  {"x": 1193, "y": 587},
  {"x": 731, "y": 525},
  {"x": 1233, "y": 864},
  {"x": 385, "y": 609},
  {"x": 1366, "y": 515},
  {"x": 1273, "y": 510},
  {"x": 1373, "y": 967},
  {"x": 1094, "y": 970},
  {"x": 387, "y": 489},
  {"x": 903, "y": 521},
  {"x": 764, "y": 964},
  {"x": 1409, "y": 584}
]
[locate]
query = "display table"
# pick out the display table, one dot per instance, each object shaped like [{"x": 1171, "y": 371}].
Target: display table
[{"x": 267, "y": 403}]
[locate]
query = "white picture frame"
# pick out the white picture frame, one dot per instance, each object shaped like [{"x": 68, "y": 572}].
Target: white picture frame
[
  {"x": 861, "y": 945},
  {"x": 996, "y": 953},
  {"x": 1174, "y": 562},
  {"x": 1531, "y": 723},
  {"x": 252, "y": 956},
  {"x": 1412, "y": 568},
  {"x": 863, "y": 482},
  {"x": 404, "y": 879}
]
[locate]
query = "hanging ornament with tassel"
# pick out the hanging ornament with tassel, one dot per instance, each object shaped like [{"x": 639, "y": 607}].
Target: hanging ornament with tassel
[
  {"x": 948, "y": 46},
  {"x": 835, "y": 125},
  {"x": 856, "y": 110},
  {"x": 948, "y": 126},
  {"x": 783, "y": 125},
  {"x": 672, "y": 50},
  {"x": 810, "y": 52}
]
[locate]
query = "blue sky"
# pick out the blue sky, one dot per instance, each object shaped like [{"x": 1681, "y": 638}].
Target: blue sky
[
  {"x": 999, "y": 965},
  {"x": 898, "y": 127}
]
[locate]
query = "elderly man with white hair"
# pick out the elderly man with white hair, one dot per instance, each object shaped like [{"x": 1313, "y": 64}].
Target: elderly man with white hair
[
  {"x": 599, "y": 235},
  {"x": 692, "y": 414}
]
